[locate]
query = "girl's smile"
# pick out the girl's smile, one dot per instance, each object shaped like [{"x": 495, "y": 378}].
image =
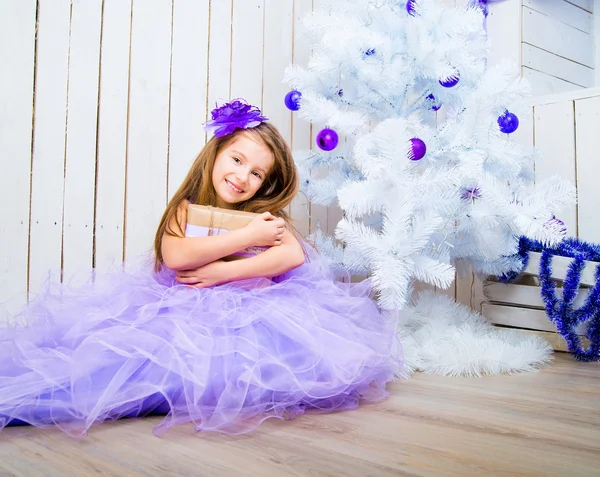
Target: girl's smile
[{"x": 240, "y": 170}]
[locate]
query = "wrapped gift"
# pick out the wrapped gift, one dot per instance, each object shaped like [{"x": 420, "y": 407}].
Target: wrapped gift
[{"x": 205, "y": 221}]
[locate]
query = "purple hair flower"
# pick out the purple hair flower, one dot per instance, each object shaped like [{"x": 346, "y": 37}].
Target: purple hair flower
[{"x": 236, "y": 114}]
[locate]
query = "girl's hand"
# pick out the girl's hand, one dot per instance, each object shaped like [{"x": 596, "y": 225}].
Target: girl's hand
[
  {"x": 265, "y": 230},
  {"x": 214, "y": 273}
]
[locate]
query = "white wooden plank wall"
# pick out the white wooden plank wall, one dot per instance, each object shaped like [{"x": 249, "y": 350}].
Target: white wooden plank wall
[
  {"x": 565, "y": 130},
  {"x": 554, "y": 136},
  {"x": 318, "y": 217},
  {"x": 80, "y": 137},
  {"x": 587, "y": 144},
  {"x": 103, "y": 114},
  {"x": 189, "y": 85},
  {"x": 17, "y": 28},
  {"x": 148, "y": 132},
  {"x": 558, "y": 45},
  {"x": 301, "y": 131},
  {"x": 113, "y": 116},
  {"x": 596, "y": 8},
  {"x": 122, "y": 89},
  {"x": 119, "y": 90},
  {"x": 49, "y": 139}
]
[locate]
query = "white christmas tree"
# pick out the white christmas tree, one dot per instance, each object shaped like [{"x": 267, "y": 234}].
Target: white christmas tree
[{"x": 419, "y": 194}]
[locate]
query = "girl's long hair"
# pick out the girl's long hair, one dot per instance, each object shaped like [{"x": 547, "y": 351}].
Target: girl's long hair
[{"x": 276, "y": 193}]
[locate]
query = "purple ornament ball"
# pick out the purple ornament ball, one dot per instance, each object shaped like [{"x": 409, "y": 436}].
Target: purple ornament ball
[
  {"x": 483, "y": 5},
  {"x": 292, "y": 100},
  {"x": 435, "y": 105},
  {"x": 418, "y": 149},
  {"x": 557, "y": 226},
  {"x": 451, "y": 81},
  {"x": 470, "y": 194},
  {"x": 327, "y": 139},
  {"x": 410, "y": 7},
  {"x": 508, "y": 122}
]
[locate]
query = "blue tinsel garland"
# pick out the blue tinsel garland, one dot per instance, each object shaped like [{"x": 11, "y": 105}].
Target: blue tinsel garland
[{"x": 561, "y": 311}]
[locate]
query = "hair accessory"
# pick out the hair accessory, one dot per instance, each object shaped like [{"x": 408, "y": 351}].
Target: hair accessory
[{"x": 236, "y": 114}]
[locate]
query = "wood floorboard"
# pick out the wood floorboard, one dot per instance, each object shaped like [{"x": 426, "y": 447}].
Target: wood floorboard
[{"x": 533, "y": 424}]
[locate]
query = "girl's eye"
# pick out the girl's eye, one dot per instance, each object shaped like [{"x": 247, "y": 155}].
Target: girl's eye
[
  {"x": 257, "y": 175},
  {"x": 237, "y": 159}
]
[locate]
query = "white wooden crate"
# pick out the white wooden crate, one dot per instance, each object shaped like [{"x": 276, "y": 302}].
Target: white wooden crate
[{"x": 519, "y": 305}]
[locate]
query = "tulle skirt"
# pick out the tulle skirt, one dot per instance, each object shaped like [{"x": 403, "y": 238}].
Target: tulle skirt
[{"x": 224, "y": 358}]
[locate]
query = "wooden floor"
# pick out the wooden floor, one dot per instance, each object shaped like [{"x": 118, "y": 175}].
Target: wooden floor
[{"x": 545, "y": 424}]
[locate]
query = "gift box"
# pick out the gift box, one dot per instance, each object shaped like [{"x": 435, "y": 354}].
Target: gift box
[{"x": 206, "y": 221}]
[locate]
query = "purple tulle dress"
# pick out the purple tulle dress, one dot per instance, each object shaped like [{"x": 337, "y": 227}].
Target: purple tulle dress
[{"x": 224, "y": 358}]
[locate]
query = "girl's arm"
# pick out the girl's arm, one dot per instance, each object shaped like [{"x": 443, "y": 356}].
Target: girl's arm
[
  {"x": 270, "y": 263},
  {"x": 186, "y": 253}
]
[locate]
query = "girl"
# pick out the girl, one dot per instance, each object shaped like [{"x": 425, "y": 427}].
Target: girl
[{"x": 223, "y": 344}]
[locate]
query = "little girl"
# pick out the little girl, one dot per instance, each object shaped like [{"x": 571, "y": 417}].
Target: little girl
[{"x": 222, "y": 344}]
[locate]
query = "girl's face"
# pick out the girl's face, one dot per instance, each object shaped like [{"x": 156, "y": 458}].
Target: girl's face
[{"x": 240, "y": 170}]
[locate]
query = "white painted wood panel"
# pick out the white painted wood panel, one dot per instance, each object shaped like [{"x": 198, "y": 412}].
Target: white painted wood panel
[
  {"x": 527, "y": 296},
  {"x": 247, "y": 51},
  {"x": 543, "y": 84},
  {"x": 498, "y": 293},
  {"x": 504, "y": 31},
  {"x": 334, "y": 215},
  {"x": 189, "y": 83},
  {"x": 17, "y": 27},
  {"x": 564, "y": 12},
  {"x": 587, "y": 5},
  {"x": 146, "y": 192},
  {"x": 559, "y": 268},
  {"x": 112, "y": 134},
  {"x": 527, "y": 318},
  {"x": 80, "y": 155},
  {"x": 550, "y": 64},
  {"x": 301, "y": 129},
  {"x": 597, "y": 41},
  {"x": 555, "y": 139},
  {"x": 219, "y": 54},
  {"x": 277, "y": 55},
  {"x": 587, "y": 114},
  {"x": 524, "y": 133},
  {"x": 318, "y": 213},
  {"x": 560, "y": 97},
  {"x": 555, "y": 340},
  {"x": 48, "y": 165},
  {"x": 278, "y": 39},
  {"x": 150, "y": 122},
  {"x": 557, "y": 37}
]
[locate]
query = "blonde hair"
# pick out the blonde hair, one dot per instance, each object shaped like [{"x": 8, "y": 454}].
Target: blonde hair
[{"x": 276, "y": 193}]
